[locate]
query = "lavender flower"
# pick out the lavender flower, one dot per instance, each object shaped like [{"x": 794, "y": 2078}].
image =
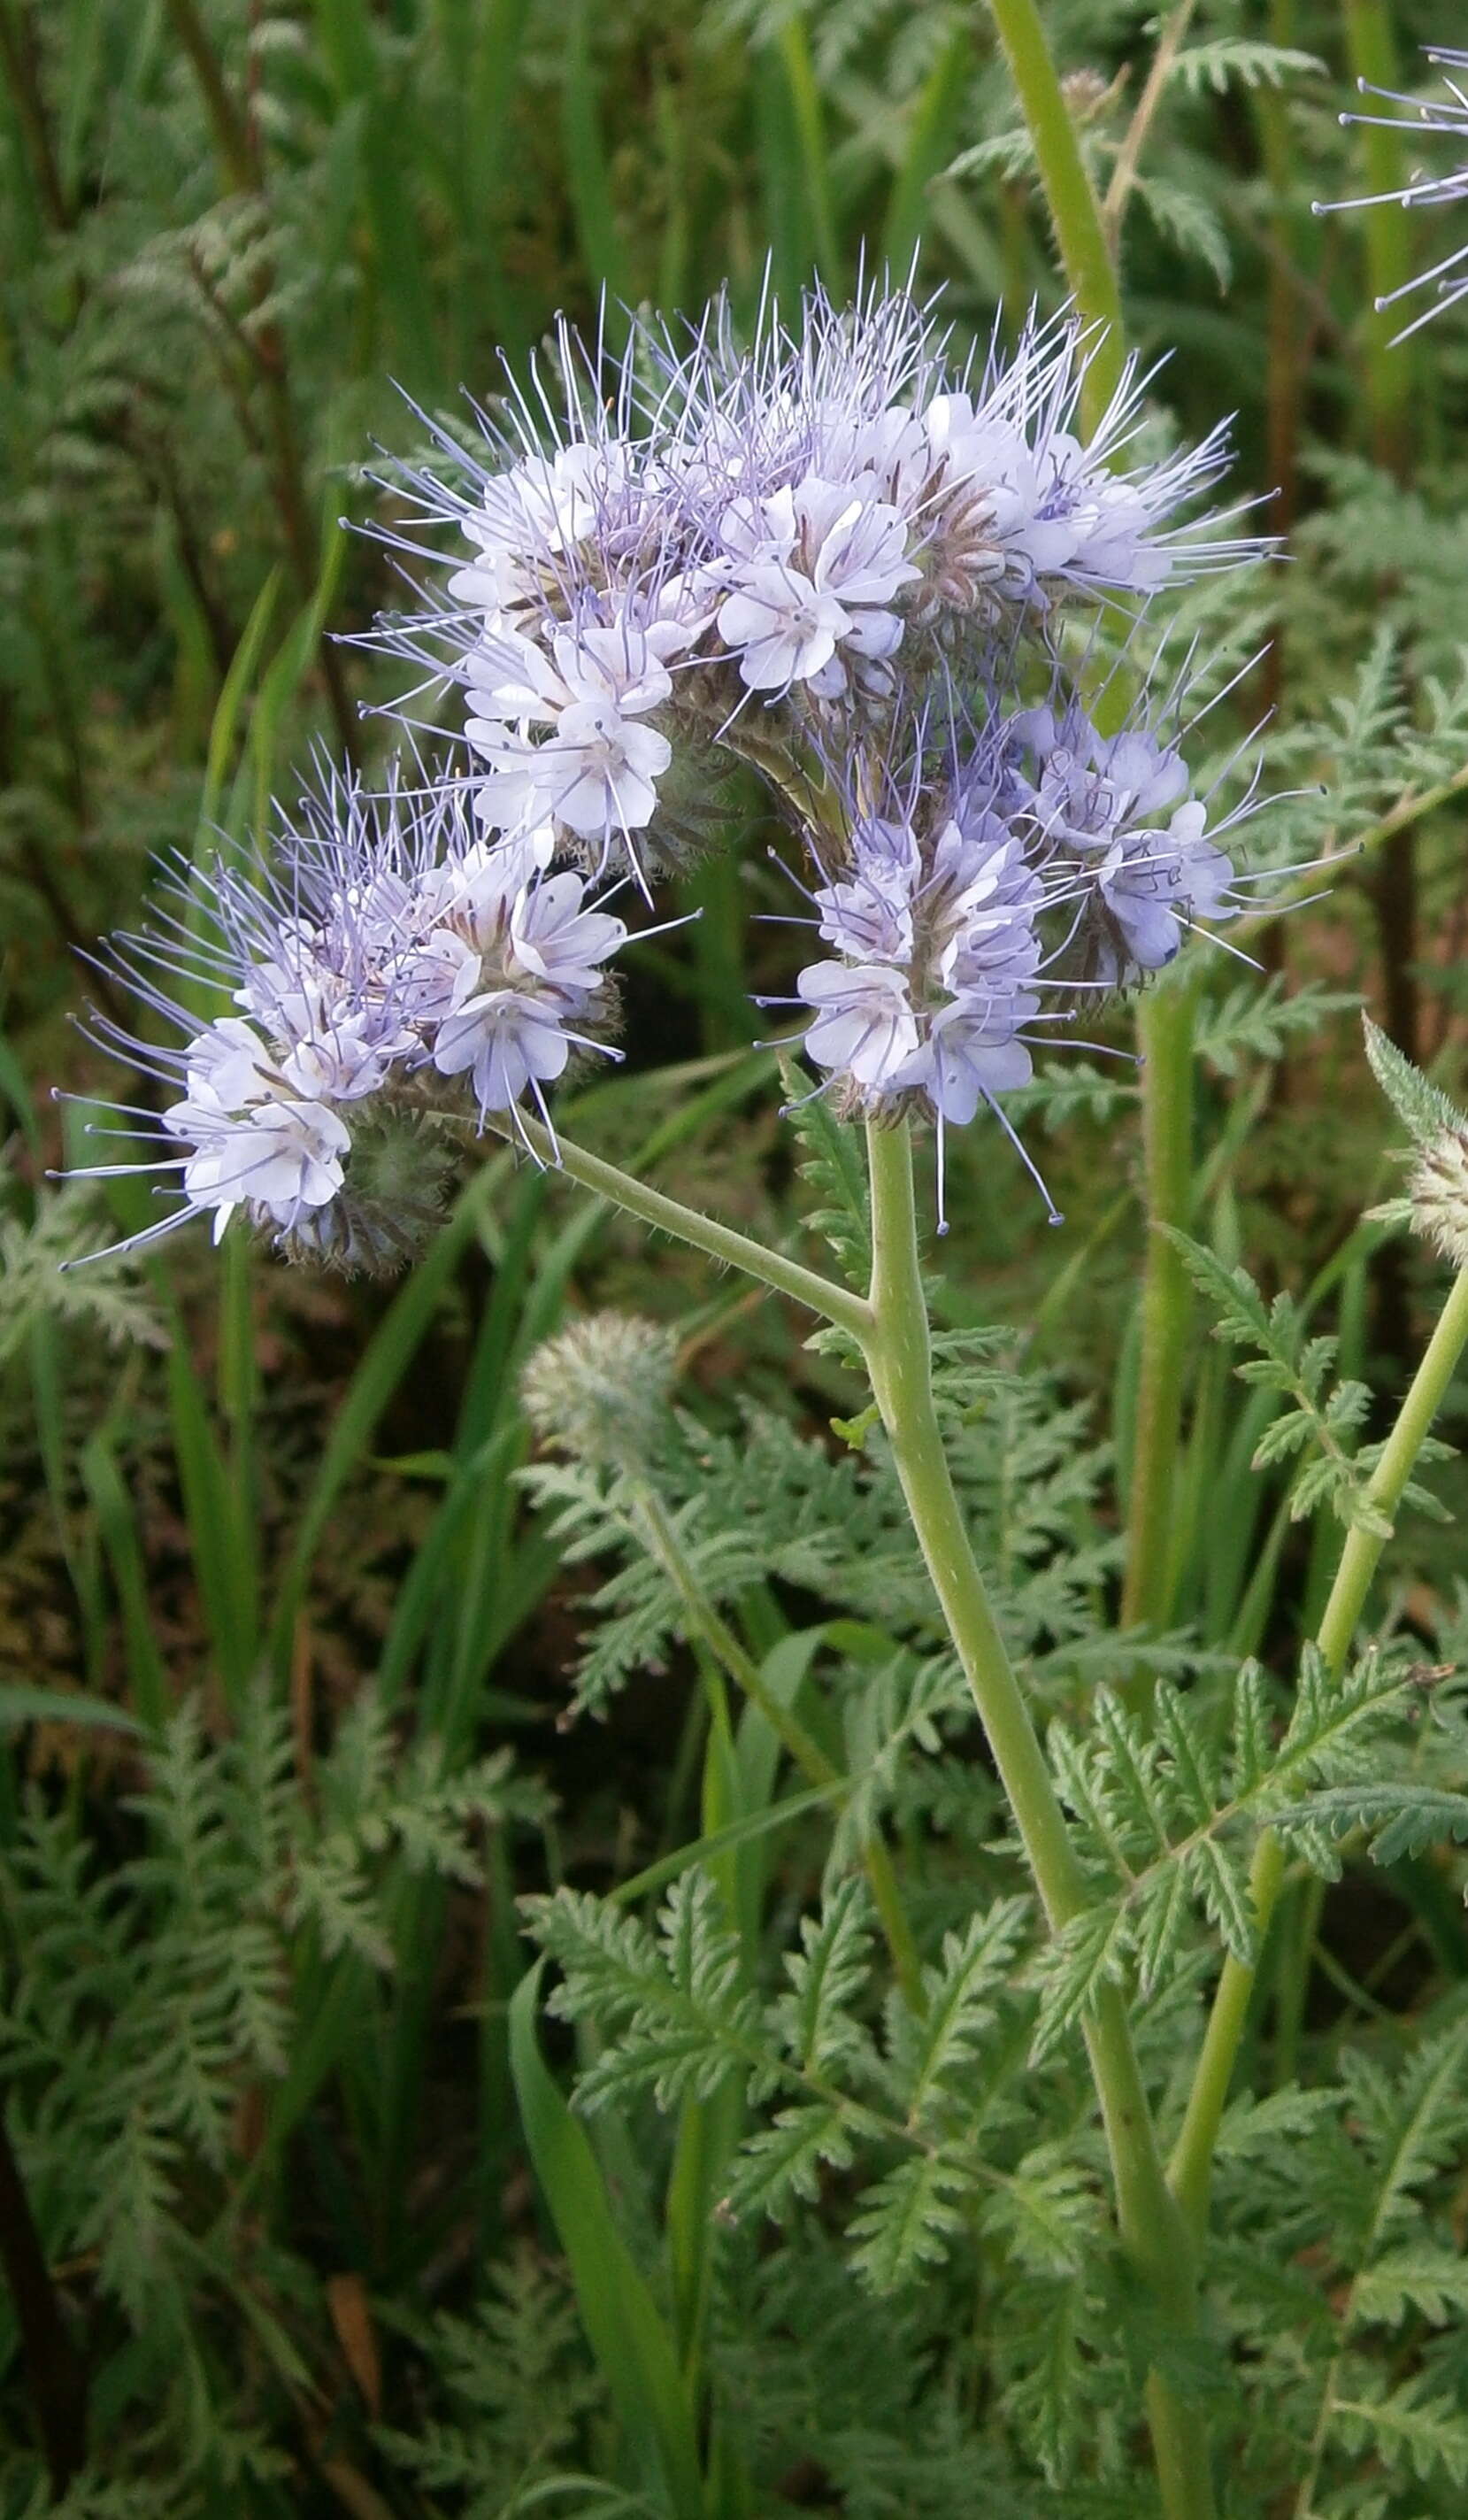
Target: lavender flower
[
  {"x": 837, "y": 553},
  {"x": 277, "y": 1156},
  {"x": 933, "y": 920},
  {"x": 1447, "y": 118},
  {"x": 563, "y": 733},
  {"x": 523, "y": 956},
  {"x": 1010, "y": 867},
  {"x": 398, "y": 953},
  {"x": 814, "y": 572},
  {"x": 666, "y": 544},
  {"x": 1117, "y": 810}
]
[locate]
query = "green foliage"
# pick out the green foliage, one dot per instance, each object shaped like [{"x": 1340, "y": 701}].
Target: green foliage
[
  {"x": 1423, "y": 1109},
  {"x": 1324, "y": 1416},
  {"x": 1264, "y": 1023},
  {"x": 1228, "y": 60},
  {"x": 36, "y": 1283},
  {"x": 677, "y": 2018},
  {"x": 835, "y": 1173},
  {"x": 148, "y": 2007},
  {"x": 1169, "y": 1804},
  {"x": 510, "y": 2398}
]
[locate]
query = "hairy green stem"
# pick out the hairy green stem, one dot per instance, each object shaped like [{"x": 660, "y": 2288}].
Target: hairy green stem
[
  {"x": 1070, "y": 194},
  {"x": 722, "y": 1243},
  {"x": 1166, "y": 1023},
  {"x": 1165, "y": 1033},
  {"x": 893, "y": 1332},
  {"x": 1192, "y": 2160},
  {"x": 715, "y": 1633},
  {"x": 898, "y": 1355},
  {"x": 1371, "y": 48}
]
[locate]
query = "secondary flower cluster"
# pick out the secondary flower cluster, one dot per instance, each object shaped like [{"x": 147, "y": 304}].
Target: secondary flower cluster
[
  {"x": 1031, "y": 859},
  {"x": 402, "y": 969},
  {"x": 835, "y": 556},
  {"x": 738, "y": 547}
]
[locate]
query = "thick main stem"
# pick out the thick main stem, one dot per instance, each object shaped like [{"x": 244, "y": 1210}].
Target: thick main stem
[
  {"x": 1075, "y": 211},
  {"x": 899, "y": 1354},
  {"x": 1166, "y": 1026},
  {"x": 1166, "y": 1035},
  {"x": 1192, "y": 2160}
]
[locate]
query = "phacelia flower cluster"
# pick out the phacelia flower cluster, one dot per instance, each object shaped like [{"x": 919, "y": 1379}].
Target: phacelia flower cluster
[
  {"x": 708, "y": 544},
  {"x": 1001, "y": 877},
  {"x": 834, "y": 555},
  {"x": 400, "y": 973},
  {"x": 1442, "y": 117}
]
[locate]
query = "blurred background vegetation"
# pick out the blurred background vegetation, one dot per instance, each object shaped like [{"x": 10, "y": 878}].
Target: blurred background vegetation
[{"x": 255, "y": 2047}]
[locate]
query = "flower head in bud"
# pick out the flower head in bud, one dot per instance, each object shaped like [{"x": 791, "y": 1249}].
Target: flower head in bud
[
  {"x": 599, "y": 1391},
  {"x": 1438, "y": 1193},
  {"x": 1447, "y": 119},
  {"x": 1436, "y": 1205},
  {"x": 391, "y": 1201}
]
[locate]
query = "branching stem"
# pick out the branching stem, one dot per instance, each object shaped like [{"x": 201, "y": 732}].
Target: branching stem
[
  {"x": 1192, "y": 2161},
  {"x": 714, "y": 1633},
  {"x": 1075, "y": 211},
  {"x": 898, "y": 1355},
  {"x": 722, "y": 1243},
  {"x": 891, "y": 1326}
]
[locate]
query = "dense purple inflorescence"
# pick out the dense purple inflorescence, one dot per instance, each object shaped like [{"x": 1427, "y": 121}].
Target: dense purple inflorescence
[
  {"x": 403, "y": 962},
  {"x": 745, "y": 545},
  {"x": 833, "y": 554}
]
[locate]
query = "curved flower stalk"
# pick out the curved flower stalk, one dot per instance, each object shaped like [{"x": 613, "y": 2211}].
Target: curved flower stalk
[
  {"x": 1445, "y": 118},
  {"x": 401, "y": 970},
  {"x": 702, "y": 544}
]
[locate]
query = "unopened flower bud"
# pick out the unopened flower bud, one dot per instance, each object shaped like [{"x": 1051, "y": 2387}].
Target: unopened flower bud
[
  {"x": 599, "y": 1391},
  {"x": 1438, "y": 1193},
  {"x": 1086, "y": 92},
  {"x": 391, "y": 1202}
]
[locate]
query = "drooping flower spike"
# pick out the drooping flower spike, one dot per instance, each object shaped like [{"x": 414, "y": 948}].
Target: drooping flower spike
[
  {"x": 683, "y": 540},
  {"x": 399, "y": 972},
  {"x": 1441, "y": 118}
]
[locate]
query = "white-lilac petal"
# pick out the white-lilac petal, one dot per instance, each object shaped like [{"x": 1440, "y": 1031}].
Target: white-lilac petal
[
  {"x": 864, "y": 1025},
  {"x": 275, "y": 1159},
  {"x": 506, "y": 1042}
]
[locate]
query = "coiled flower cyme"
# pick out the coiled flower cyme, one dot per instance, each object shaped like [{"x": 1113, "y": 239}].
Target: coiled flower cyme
[
  {"x": 705, "y": 543},
  {"x": 835, "y": 552},
  {"x": 400, "y": 973}
]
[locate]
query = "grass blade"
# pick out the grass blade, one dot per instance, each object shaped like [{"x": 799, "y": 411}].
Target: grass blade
[{"x": 626, "y": 2332}]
